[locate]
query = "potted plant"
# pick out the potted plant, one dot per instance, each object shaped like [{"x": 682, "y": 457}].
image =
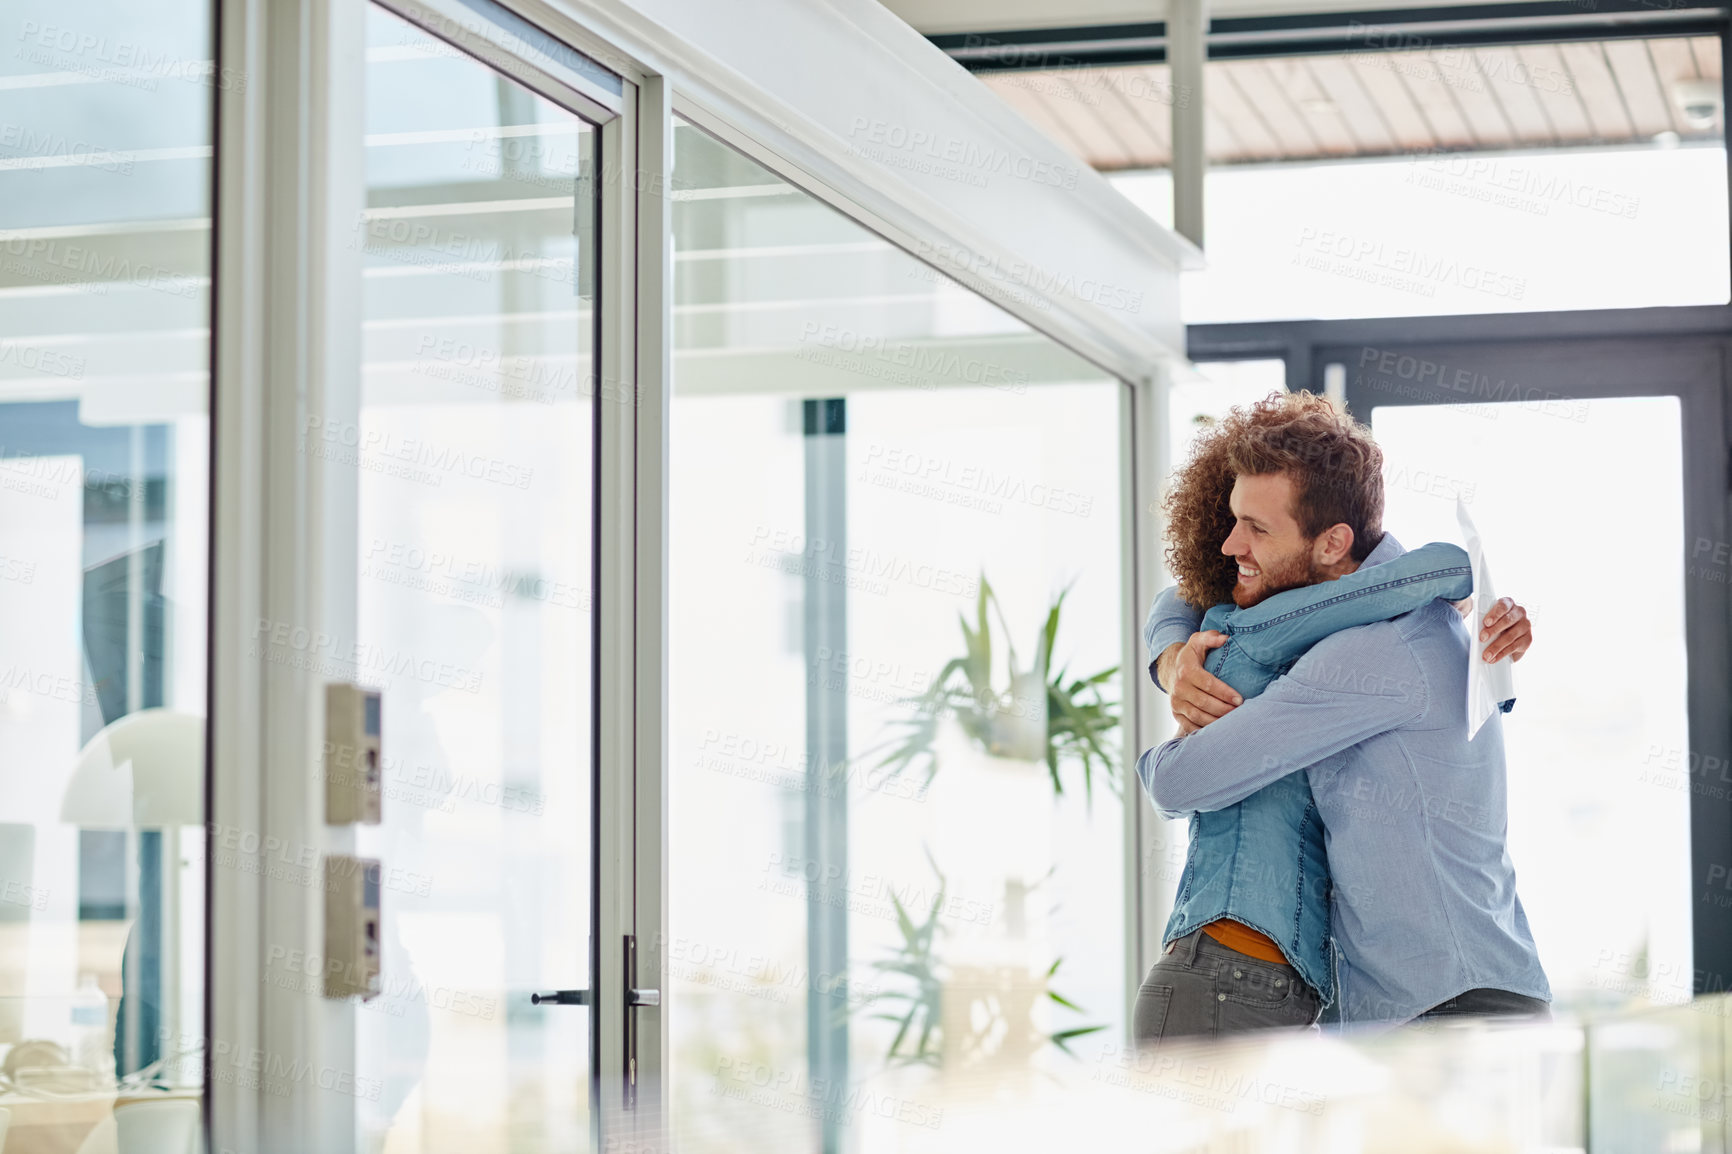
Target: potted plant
[
  {"x": 950, "y": 1016},
  {"x": 1033, "y": 715}
]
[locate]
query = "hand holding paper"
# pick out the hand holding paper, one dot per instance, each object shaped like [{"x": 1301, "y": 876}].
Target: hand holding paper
[{"x": 1488, "y": 684}]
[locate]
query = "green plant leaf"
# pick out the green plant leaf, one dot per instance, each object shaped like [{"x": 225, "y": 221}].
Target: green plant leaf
[
  {"x": 1063, "y": 1037},
  {"x": 1043, "y": 657},
  {"x": 1079, "y": 717},
  {"x": 903, "y": 921},
  {"x": 896, "y": 1043}
]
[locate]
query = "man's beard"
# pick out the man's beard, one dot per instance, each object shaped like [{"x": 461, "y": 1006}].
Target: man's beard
[{"x": 1296, "y": 571}]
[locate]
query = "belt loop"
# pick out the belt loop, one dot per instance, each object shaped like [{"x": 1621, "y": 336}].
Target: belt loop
[{"x": 1189, "y": 946}]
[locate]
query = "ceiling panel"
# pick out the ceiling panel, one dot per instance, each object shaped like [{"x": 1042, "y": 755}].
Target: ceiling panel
[
  {"x": 1707, "y": 52},
  {"x": 1258, "y": 82},
  {"x": 1323, "y": 120},
  {"x": 1510, "y": 81},
  {"x": 1367, "y": 125},
  {"x": 1598, "y": 90},
  {"x": 1020, "y": 90},
  {"x": 1384, "y": 87},
  {"x": 1644, "y": 97},
  {"x": 1375, "y": 103},
  {"x": 1558, "y": 92},
  {"x": 1096, "y": 129},
  {"x": 1480, "y": 107},
  {"x": 1140, "y": 98},
  {"x": 1433, "y": 90},
  {"x": 1673, "y": 61},
  {"x": 1252, "y": 137},
  {"x": 1219, "y": 137}
]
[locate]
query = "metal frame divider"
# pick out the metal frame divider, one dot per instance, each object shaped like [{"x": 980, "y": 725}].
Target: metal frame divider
[
  {"x": 630, "y": 703},
  {"x": 286, "y": 354},
  {"x": 1143, "y": 448},
  {"x": 652, "y": 394},
  {"x": 235, "y": 699}
]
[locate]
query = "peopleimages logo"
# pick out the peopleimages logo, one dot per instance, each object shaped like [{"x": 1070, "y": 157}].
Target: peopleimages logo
[
  {"x": 1528, "y": 187},
  {"x": 52, "y": 362},
  {"x": 961, "y": 261},
  {"x": 121, "y": 61},
  {"x": 926, "y": 363},
  {"x": 35, "y": 150},
  {"x": 1378, "y": 366},
  {"x": 880, "y": 139},
  {"x": 415, "y": 458},
  {"x": 1368, "y": 258},
  {"x": 48, "y": 258}
]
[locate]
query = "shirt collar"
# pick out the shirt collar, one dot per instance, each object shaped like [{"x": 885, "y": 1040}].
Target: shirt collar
[{"x": 1387, "y": 549}]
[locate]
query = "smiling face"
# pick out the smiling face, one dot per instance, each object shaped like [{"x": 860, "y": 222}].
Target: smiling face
[{"x": 1271, "y": 550}]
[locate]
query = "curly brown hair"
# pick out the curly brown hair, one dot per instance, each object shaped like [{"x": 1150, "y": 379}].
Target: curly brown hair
[{"x": 1336, "y": 466}]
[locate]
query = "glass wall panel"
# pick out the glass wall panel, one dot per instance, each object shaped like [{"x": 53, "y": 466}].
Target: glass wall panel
[
  {"x": 895, "y": 826},
  {"x": 474, "y": 452},
  {"x": 105, "y": 195}
]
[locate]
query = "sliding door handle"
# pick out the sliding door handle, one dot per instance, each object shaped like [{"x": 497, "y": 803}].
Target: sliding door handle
[{"x": 561, "y": 998}]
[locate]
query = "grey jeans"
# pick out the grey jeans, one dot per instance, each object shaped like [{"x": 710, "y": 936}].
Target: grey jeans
[{"x": 1202, "y": 989}]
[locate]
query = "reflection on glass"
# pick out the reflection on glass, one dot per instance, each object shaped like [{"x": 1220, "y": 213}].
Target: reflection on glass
[
  {"x": 105, "y": 178},
  {"x": 877, "y": 880},
  {"x": 1599, "y": 773},
  {"x": 475, "y": 475}
]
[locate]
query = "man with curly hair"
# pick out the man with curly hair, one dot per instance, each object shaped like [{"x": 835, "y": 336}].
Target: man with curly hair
[{"x": 1347, "y": 836}]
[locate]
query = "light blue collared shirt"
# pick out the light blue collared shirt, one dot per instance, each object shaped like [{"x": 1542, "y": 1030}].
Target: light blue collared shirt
[{"x": 1424, "y": 905}]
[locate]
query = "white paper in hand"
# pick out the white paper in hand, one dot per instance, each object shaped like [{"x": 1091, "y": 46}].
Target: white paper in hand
[{"x": 1487, "y": 685}]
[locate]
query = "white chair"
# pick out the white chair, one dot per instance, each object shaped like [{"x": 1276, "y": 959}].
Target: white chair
[
  {"x": 5, "y": 1120},
  {"x": 168, "y": 1126}
]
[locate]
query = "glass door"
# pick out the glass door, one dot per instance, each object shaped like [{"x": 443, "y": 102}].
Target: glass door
[{"x": 475, "y": 454}]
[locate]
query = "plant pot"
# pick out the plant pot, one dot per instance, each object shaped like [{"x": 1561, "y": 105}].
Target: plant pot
[{"x": 993, "y": 818}]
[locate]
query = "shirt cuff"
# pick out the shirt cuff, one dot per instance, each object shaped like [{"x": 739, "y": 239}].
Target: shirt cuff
[{"x": 1159, "y": 640}]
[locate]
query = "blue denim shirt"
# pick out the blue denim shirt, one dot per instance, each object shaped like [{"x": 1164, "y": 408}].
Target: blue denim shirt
[
  {"x": 1262, "y": 861},
  {"x": 1421, "y": 903}
]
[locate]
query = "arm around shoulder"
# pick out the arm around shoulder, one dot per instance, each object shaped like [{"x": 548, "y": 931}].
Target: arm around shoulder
[{"x": 1349, "y": 687}]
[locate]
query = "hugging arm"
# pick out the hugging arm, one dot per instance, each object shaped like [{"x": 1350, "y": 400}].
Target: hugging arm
[
  {"x": 1274, "y": 634},
  {"x": 1171, "y": 621},
  {"x": 1279, "y": 629},
  {"x": 1325, "y": 705}
]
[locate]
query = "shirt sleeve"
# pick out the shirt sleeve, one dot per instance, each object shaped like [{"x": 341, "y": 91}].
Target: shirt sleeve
[
  {"x": 1171, "y": 619},
  {"x": 1278, "y": 629},
  {"x": 1350, "y": 686}
]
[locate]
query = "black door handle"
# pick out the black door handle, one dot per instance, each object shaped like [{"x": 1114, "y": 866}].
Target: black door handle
[{"x": 561, "y": 998}]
